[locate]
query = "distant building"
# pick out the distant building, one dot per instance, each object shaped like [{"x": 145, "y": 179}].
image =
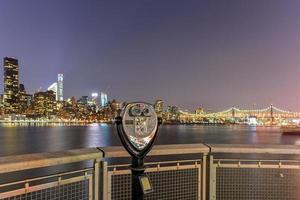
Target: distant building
[
  {"x": 83, "y": 100},
  {"x": 1, "y": 105},
  {"x": 60, "y": 87},
  {"x": 173, "y": 109},
  {"x": 22, "y": 88},
  {"x": 44, "y": 103},
  {"x": 104, "y": 100},
  {"x": 115, "y": 108},
  {"x": 11, "y": 85},
  {"x": 23, "y": 98},
  {"x": 1, "y": 100},
  {"x": 53, "y": 87},
  {"x": 159, "y": 106},
  {"x": 172, "y": 113},
  {"x": 199, "y": 111},
  {"x": 29, "y": 98},
  {"x": 95, "y": 100}
]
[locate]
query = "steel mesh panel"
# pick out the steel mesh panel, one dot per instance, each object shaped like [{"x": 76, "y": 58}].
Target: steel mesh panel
[
  {"x": 257, "y": 184},
  {"x": 72, "y": 191},
  {"x": 167, "y": 185}
]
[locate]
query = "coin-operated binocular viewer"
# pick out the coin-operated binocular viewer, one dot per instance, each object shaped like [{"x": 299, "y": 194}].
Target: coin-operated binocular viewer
[{"x": 137, "y": 128}]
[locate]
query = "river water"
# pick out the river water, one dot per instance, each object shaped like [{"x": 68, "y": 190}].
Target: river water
[{"x": 33, "y": 139}]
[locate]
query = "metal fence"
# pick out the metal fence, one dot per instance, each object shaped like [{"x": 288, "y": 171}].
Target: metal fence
[
  {"x": 173, "y": 180},
  {"x": 72, "y": 185},
  {"x": 182, "y": 172},
  {"x": 76, "y": 186},
  {"x": 255, "y": 179}
]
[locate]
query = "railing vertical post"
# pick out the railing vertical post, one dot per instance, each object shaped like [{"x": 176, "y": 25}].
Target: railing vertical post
[
  {"x": 103, "y": 181},
  {"x": 96, "y": 178},
  {"x": 203, "y": 175},
  {"x": 212, "y": 178},
  {"x": 91, "y": 189}
]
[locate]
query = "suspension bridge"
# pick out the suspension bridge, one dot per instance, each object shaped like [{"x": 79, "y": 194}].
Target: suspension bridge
[{"x": 270, "y": 114}]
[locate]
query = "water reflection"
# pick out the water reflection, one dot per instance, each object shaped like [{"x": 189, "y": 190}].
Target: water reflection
[{"x": 30, "y": 139}]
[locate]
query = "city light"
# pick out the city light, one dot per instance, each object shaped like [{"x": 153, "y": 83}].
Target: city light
[{"x": 95, "y": 95}]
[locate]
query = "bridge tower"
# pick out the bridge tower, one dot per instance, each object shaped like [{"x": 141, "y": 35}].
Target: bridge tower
[
  {"x": 233, "y": 112},
  {"x": 272, "y": 113}
]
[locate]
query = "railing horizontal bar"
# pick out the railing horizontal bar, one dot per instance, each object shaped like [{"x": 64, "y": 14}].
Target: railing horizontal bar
[
  {"x": 46, "y": 177},
  {"x": 257, "y": 149},
  {"x": 155, "y": 169},
  {"x": 39, "y": 160},
  {"x": 158, "y": 163},
  {"x": 262, "y": 166},
  {"x": 254, "y": 160},
  {"x": 173, "y": 149}
]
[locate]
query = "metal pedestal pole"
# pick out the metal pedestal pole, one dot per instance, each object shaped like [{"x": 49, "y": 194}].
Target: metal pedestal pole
[{"x": 137, "y": 169}]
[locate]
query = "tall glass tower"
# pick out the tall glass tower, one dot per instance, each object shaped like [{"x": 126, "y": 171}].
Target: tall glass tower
[
  {"x": 11, "y": 84},
  {"x": 60, "y": 87},
  {"x": 104, "y": 100}
]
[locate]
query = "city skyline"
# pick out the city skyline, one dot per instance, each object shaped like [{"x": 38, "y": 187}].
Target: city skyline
[
  {"x": 204, "y": 53},
  {"x": 15, "y": 93}
]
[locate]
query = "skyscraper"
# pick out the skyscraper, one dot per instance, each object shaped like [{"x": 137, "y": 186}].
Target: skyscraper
[
  {"x": 95, "y": 102},
  {"x": 104, "y": 100},
  {"x": 11, "y": 84},
  {"x": 54, "y": 88},
  {"x": 60, "y": 87},
  {"x": 22, "y": 98}
]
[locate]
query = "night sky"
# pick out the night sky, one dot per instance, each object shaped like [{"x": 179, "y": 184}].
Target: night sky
[{"x": 190, "y": 53}]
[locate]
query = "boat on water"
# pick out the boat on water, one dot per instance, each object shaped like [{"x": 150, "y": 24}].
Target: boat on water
[{"x": 290, "y": 129}]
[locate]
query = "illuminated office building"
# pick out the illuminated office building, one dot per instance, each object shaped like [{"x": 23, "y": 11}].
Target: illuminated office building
[
  {"x": 93, "y": 103},
  {"x": 60, "y": 87},
  {"x": 104, "y": 100},
  {"x": 173, "y": 113},
  {"x": 54, "y": 88},
  {"x": 23, "y": 98},
  {"x": 159, "y": 106},
  {"x": 44, "y": 103},
  {"x": 11, "y": 85},
  {"x": 95, "y": 99}
]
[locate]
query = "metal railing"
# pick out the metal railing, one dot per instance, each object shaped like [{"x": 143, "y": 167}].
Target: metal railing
[
  {"x": 75, "y": 184},
  {"x": 186, "y": 171},
  {"x": 255, "y": 179},
  {"x": 172, "y": 177}
]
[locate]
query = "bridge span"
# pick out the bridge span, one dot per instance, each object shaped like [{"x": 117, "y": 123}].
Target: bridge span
[{"x": 269, "y": 114}]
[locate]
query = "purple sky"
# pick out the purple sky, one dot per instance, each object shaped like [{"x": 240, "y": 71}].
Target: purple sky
[{"x": 189, "y": 53}]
